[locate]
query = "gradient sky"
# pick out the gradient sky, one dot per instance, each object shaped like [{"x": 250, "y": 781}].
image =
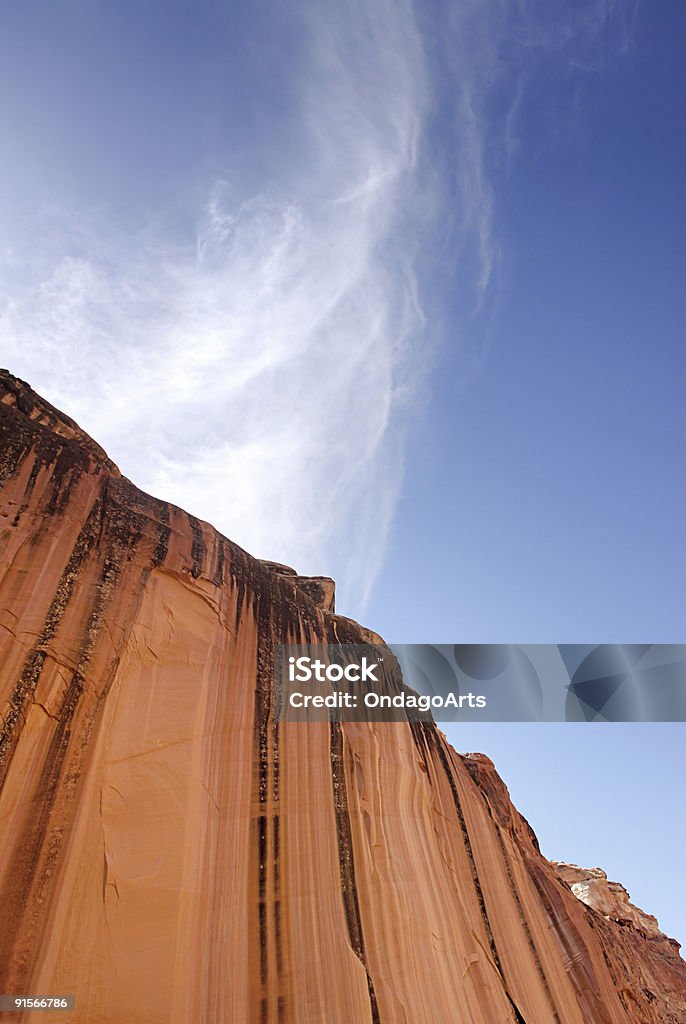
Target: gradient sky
[{"x": 391, "y": 292}]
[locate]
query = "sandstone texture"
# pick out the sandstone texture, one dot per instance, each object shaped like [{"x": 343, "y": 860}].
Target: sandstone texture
[
  {"x": 171, "y": 853},
  {"x": 591, "y": 886}
]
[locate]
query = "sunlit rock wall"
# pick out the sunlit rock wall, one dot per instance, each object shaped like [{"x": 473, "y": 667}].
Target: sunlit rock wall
[{"x": 170, "y": 853}]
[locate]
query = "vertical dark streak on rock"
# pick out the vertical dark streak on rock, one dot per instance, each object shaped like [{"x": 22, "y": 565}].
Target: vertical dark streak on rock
[
  {"x": 417, "y": 733},
  {"x": 274, "y": 731},
  {"x": 14, "y": 447},
  {"x": 262, "y": 912},
  {"x": 163, "y": 536},
  {"x": 66, "y": 471},
  {"x": 346, "y": 861},
  {"x": 525, "y": 923},
  {"x": 33, "y": 476},
  {"x": 435, "y": 742},
  {"x": 276, "y": 867},
  {"x": 33, "y": 665},
  {"x": 38, "y": 464},
  {"x": 277, "y": 937},
  {"x": 520, "y": 908},
  {"x": 581, "y": 971},
  {"x": 238, "y": 574},
  {"x": 550, "y": 909},
  {"x": 218, "y": 578},
  {"x": 608, "y": 962},
  {"x": 36, "y": 838},
  {"x": 258, "y": 581},
  {"x": 197, "y": 547},
  {"x": 275, "y": 854},
  {"x": 261, "y": 857},
  {"x": 66, "y": 457},
  {"x": 116, "y": 530},
  {"x": 281, "y": 616}
]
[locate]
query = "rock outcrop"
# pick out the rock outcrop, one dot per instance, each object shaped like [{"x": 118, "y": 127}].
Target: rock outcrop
[
  {"x": 651, "y": 969},
  {"x": 591, "y": 886},
  {"x": 171, "y": 853}
]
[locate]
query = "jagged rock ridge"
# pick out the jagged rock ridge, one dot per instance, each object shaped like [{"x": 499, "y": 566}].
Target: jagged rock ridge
[{"x": 170, "y": 853}]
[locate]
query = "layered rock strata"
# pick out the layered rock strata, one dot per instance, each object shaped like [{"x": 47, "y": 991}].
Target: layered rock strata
[{"x": 171, "y": 853}]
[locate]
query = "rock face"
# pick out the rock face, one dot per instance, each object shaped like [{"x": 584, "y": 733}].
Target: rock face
[
  {"x": 591, "y": 886},
  {"x": 651, "y": 970},
  {"x": 170, "y": 853}
]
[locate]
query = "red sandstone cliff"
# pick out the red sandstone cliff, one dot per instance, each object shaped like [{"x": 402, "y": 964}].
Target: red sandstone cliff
[{"x": 170, "y": 853}]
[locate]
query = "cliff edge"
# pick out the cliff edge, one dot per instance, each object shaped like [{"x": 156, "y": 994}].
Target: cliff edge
[{"x": 171, "y": 853}]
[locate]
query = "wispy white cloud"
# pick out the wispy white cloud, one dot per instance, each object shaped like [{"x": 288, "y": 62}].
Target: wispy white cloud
[
  {"x": 258, "y": 375},
  {"x": 261, "y": 373}
]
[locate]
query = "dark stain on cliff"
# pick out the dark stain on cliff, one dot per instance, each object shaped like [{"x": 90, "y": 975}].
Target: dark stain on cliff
[
  {"x": 435, "y": 743},
  {"x": 346, "y": 860},
  {"x": 35, "y": 660},
  {"x": 474, "y": 771}
]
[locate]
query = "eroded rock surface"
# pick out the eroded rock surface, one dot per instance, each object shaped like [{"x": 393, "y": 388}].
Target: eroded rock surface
[
  {"x": 591, "y": 886},
  {"x": 170, "y": 853},
  {"x": 652, "y": 971}
]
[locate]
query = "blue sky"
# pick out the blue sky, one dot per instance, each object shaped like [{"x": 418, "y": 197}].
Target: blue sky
[{"x": 391, "y": 292}]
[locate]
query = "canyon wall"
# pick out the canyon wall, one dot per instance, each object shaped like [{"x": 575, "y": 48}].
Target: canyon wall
[{"x": 171, "y": 853}]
